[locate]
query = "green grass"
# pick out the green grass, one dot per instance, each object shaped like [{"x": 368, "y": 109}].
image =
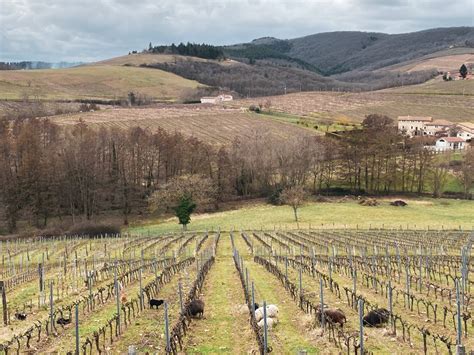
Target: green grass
[{"x": 420, "y": 213}]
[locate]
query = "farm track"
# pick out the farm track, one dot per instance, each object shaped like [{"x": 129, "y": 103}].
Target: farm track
[
  {"x": 223, "y": 330},
  {"x": 146, "y": 333},
  {"x": 292, "y": 333}
]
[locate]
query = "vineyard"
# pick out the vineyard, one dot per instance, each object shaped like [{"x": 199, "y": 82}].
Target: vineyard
[
  {"x": 213, "y": 124},
  {"x": 93, "y": 295}
]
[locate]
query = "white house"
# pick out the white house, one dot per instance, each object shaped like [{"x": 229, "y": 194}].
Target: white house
[
  {"x": 216, "y": 99},
  {"x": 448, "y": 143},
  {"x": 413, "y": 125},
  {"x": 208, "y": 100},
  {"x": 466, "y": 131}
]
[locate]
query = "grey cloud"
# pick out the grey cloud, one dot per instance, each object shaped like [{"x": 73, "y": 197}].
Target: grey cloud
[{"x": 88, "y": 30}]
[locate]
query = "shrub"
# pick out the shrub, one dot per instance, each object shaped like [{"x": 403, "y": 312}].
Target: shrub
[
  {"x": 274, "y": 197},
  {"x": 254, "y": 108},
  {"x": 92, "y": 229}
]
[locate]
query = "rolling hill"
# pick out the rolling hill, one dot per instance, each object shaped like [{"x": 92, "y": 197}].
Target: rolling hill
[
  {"x": 101, "y": 81},
  {"x": 339, "y": 52}
]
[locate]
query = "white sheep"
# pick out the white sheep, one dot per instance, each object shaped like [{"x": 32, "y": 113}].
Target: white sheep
[
  {"x": 272, "y": 312},
  {"x": 271, "y": 322}
]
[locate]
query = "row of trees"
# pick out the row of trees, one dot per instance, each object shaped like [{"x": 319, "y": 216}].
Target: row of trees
[
  {"x": 203, "y": 50},
  {"x": 79, "y": 173}
]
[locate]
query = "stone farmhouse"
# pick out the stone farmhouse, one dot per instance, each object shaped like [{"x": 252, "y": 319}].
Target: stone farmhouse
[
  {"x": 465, "y": 131},
  {"x": 414, "y": 126}
]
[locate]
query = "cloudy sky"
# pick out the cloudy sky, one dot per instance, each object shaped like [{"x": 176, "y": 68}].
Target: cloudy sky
[{"x": 87, "y": 30}]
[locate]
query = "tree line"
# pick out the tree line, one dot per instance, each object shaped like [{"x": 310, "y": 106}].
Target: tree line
[
  {"x": 78, "y": 173},
  {"x": 203, "y": 50}
]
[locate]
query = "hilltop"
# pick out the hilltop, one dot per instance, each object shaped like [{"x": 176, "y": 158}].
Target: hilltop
[
  {"x": 340, "y": 52},
  {"x": 99, "y": 81}
]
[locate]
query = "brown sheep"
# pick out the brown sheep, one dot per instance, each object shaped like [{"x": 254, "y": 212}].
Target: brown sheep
[{"x": 335, "y": 316}]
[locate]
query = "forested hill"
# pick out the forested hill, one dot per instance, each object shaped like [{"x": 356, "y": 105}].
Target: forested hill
[{"x": 338, "y": 52}]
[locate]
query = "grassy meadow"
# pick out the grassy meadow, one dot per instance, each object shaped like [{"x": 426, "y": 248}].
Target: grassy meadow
[
  {"x": 420, "y": 213},
  {"x": 92, "y": 82}
]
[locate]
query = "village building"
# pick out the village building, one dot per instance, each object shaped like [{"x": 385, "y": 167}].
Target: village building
[
  {"x": 437, "y": 128},
  {"x": 413, "y": 125},
  {"x": 448, "y": 143},
  {"x": 465, "y": 131},
  {"x": 216, "y": 99}
]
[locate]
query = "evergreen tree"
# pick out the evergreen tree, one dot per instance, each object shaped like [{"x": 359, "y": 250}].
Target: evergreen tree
[
  {"x": 184, "y": 209},
  {"x": 463, "y": 71}
]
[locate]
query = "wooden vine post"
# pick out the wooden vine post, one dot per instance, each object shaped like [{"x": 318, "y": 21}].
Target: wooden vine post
[{"x": 4, "y": 303}]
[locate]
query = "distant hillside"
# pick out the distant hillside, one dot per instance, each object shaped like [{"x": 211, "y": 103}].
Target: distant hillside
[
  {"x": 339, "y": 52},
  {"x": 93, "y": 82}
]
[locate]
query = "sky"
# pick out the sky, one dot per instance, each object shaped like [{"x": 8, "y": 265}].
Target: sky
[{"x": 89, "y": 30}]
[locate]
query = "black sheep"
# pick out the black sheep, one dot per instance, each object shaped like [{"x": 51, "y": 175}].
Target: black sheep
[
  {"x": 376, "y": 317},
  {"x": 195, "y": 308},
  {"x": 20, "y": 315},
  {"x": 63, "y": 321},
  {"x": 156, "y": 303}
]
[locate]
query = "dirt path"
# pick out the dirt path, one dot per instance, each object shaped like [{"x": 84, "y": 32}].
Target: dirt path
[
  {"x": 223, "y": 330},
  {"x": 293, "y": 332}
]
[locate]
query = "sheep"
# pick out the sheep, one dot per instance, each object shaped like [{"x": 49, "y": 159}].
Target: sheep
[
  {"x": 271, "y": 322},
  {"x": 376, "y": 317},
  {"x": 195, "y": 308},
  {"x": 272, "y": 312},
  {"x": 335, "y": 316},
  {"x": 63, "y": 321},
  {"x": 20, "y": 315},
  {"x": 156, "y": 303}
]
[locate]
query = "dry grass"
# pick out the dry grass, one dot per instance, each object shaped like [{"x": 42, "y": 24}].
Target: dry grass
[
  {"x": 92, "y": 82},
  {"x": 353, "y": 107},
  {"x": 212, "y": 124},
  {"x": 442, "y": 63}
]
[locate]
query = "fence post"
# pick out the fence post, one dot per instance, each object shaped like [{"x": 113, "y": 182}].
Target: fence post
[
  {"x": 117, "y": 296},
  {"x": 390, "y": 301},
  {"x": 321, "y": 296},
  {"x": 361, "y": 325},
  {"x": 180, "y": 291},
  {"x": 167, "y": 334},
  {"x": 253, "y": 299},
  {"x": 301, "y": 287},
  {"x": 141, "y": 289},
  {"x": 460, "y": 350},
  {"x": 51, "y": 305},
  {"x": 265, "y": 330},
  {"x": 4, "y": 303},
  {"x": 77, "y": 329}
]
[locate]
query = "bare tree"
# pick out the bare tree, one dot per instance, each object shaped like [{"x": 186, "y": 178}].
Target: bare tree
[{"x": 295, "y": 197}]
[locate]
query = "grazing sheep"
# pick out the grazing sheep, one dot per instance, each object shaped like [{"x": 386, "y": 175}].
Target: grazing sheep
[
  {"x": 20, "y": 315},
  {"x": 156, "y": 303},
  {"x": 195, "y": 308},
  {"x": 63, "y": 321},
  {"x": 272, "y": 312},
  {"x": 271, "y": 322},
  {"x": 376, "y": 317},
  {"x": 335, "y": 316}
]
